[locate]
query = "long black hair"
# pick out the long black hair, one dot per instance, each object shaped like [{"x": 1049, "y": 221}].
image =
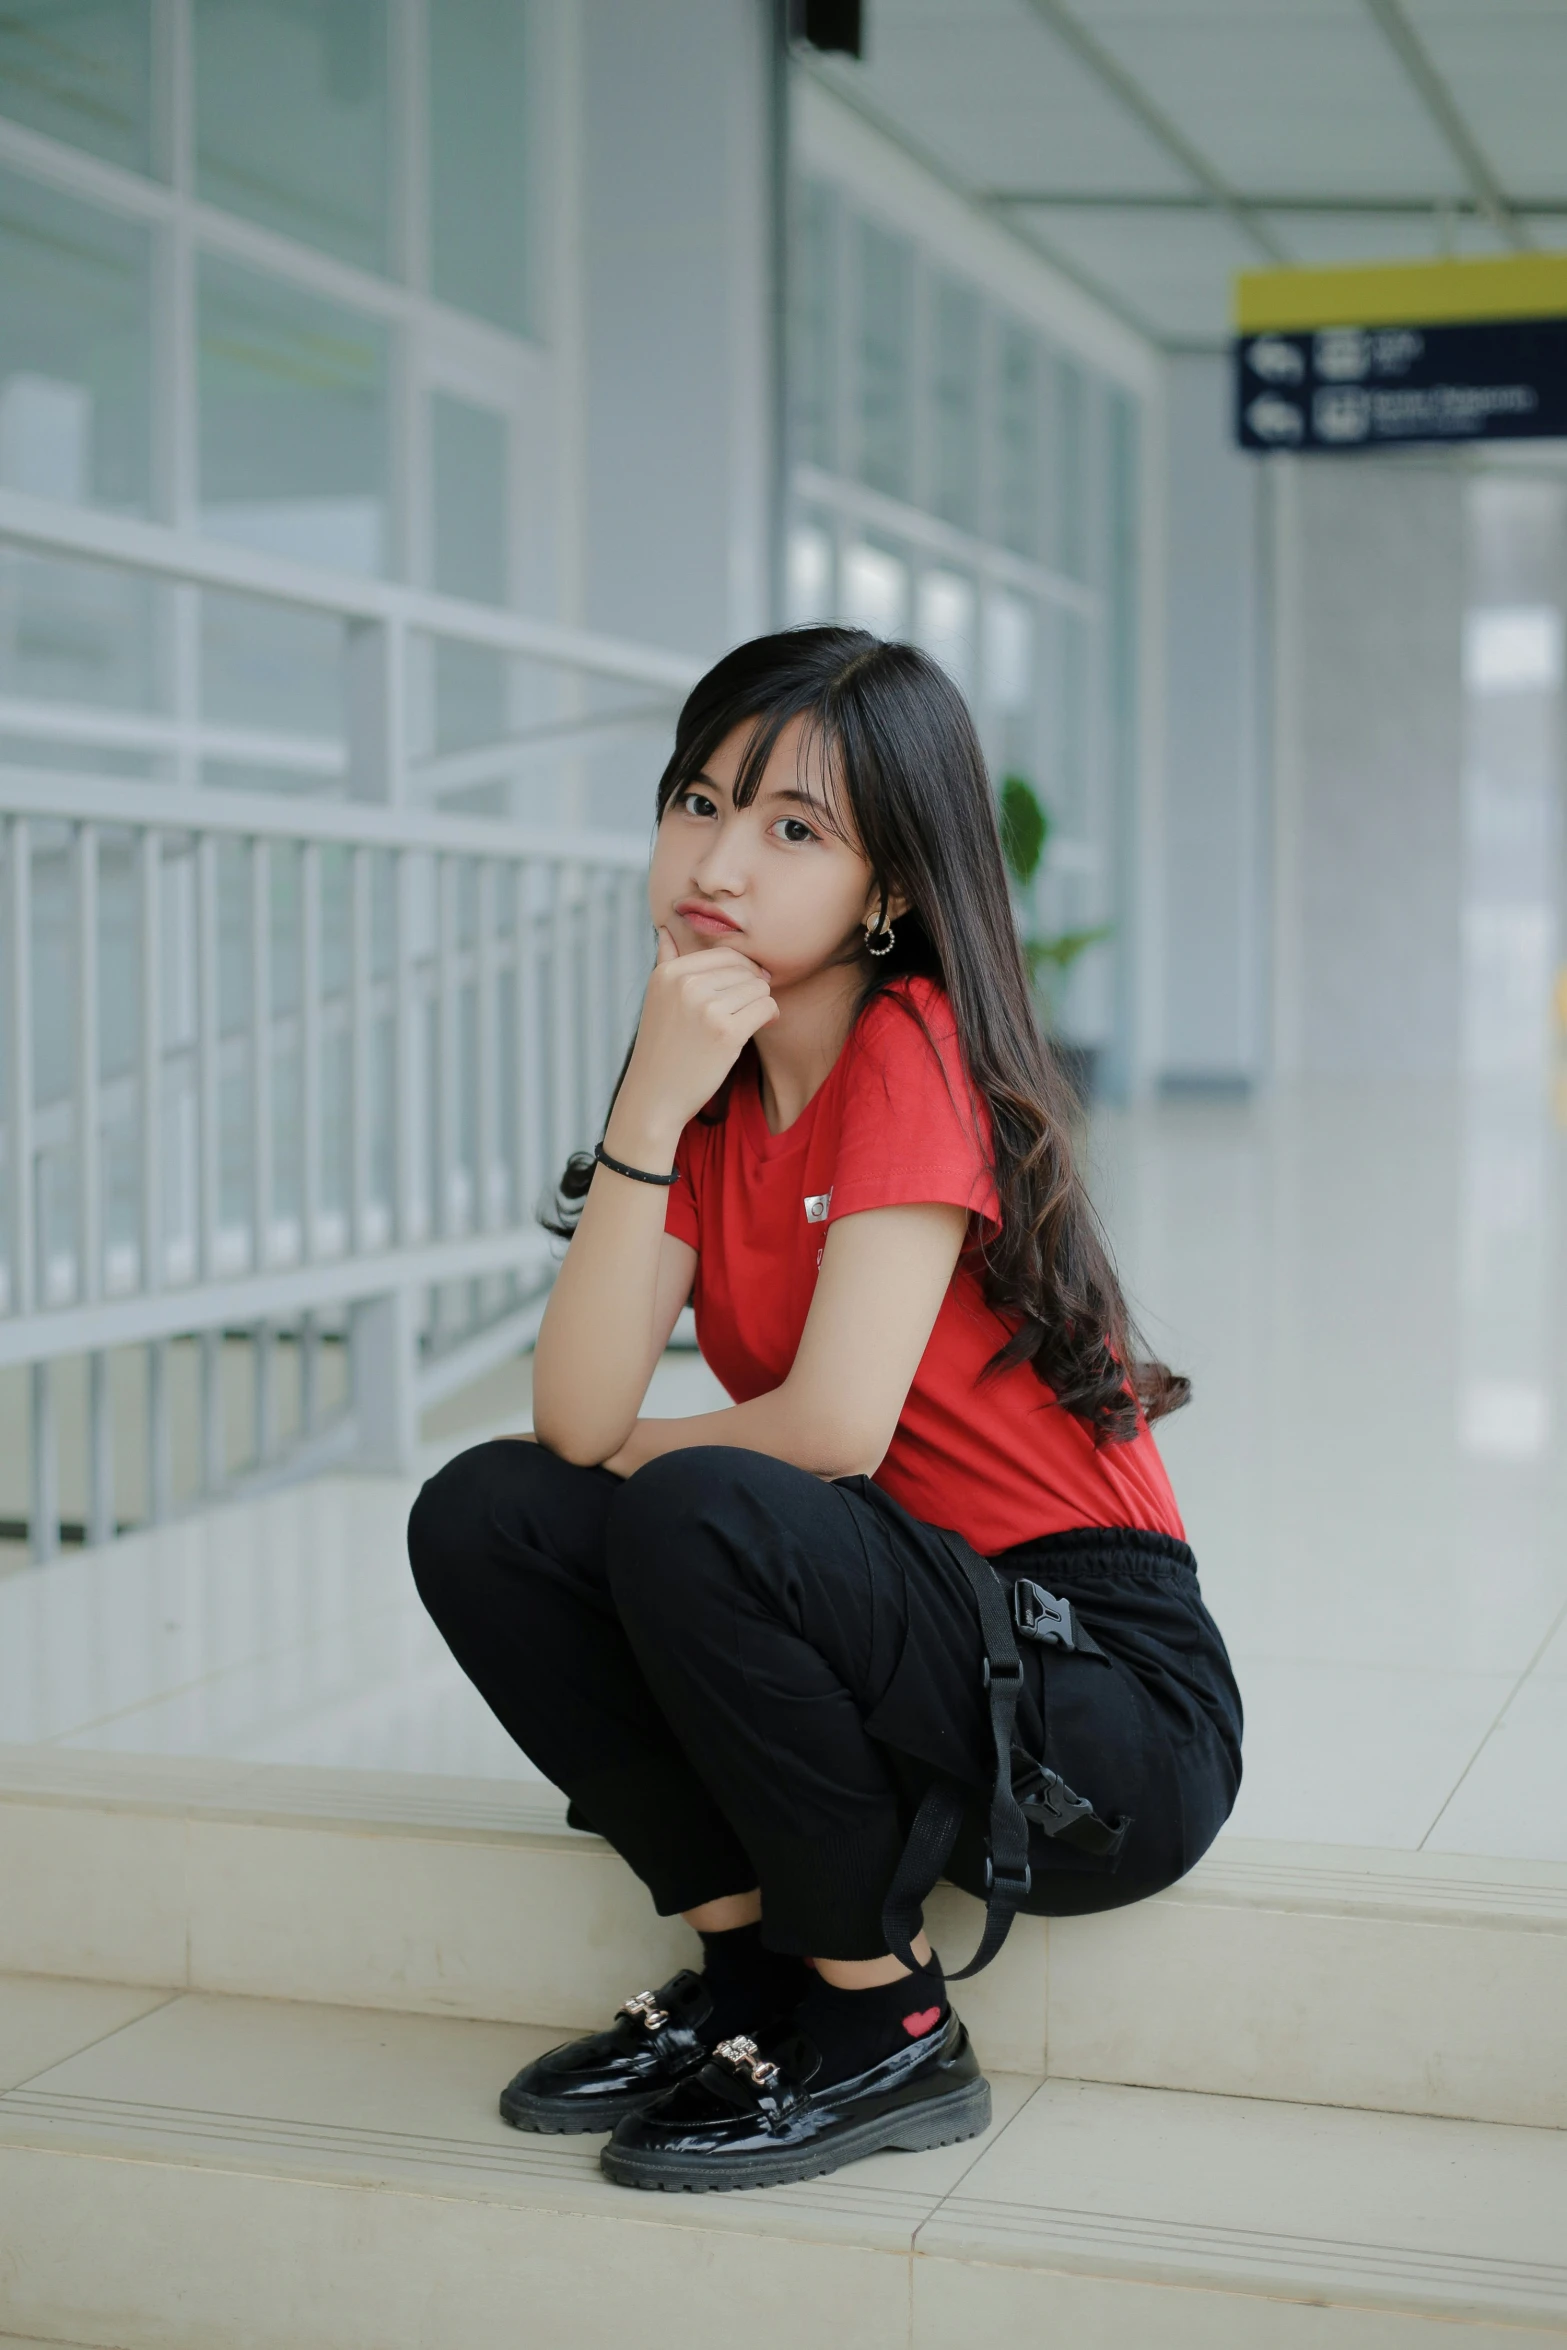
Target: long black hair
[{"x": 895, "y": 739}]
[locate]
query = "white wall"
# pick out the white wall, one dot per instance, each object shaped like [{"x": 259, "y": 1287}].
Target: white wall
[
  {"x": 1212, "y": 1014},
  {"x": 1312, "y": 852},
  {"x": 1369, "y": 714}
]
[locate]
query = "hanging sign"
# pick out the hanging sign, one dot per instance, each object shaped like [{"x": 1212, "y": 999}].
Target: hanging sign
[{"x": 1383, "y": 356}]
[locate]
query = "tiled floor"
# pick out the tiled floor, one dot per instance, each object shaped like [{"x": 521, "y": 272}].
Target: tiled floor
[{"x": 1367, "y": 1289}]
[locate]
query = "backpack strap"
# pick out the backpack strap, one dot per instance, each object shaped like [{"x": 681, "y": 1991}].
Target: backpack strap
[{"x": 1051, "y": 1804}]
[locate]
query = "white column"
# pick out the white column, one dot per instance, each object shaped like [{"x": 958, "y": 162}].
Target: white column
[
  {"x": 676, "y": 216},
  {"x": 384, "y": 1364}
]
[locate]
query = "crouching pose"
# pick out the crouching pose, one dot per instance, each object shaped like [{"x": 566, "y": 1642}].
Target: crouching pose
[{"x": 917, "y": 1603}]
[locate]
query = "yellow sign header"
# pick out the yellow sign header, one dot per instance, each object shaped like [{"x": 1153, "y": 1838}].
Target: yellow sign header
[{"x": 1402, "y": 293}]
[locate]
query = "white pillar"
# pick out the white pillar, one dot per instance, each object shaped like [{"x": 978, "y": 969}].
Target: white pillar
[
  {"x": 1215, "y": 848},
  {"x": 384, "y": 1362},
  {"x": 677, "y": 319}
]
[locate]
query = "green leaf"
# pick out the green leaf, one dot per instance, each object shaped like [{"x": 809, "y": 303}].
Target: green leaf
[
  {"x": 1025, "y": 827},
  {"x": 1062, "y": 951}
]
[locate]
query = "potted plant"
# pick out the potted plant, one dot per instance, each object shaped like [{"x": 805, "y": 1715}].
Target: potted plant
[{"x": 1025, "y": 834}]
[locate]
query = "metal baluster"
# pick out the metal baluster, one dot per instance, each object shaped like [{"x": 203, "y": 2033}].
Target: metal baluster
[
  {"x": 487, "y": 1121},
  {"x": 261, "y": 1053},
  {"x": 263, "y": 1356},
  {"x": 637, "y": 950},
  {"x": 214, "y": 1430},
  {"x": 530, "y": 1138},
  {"x": 623, "y": 907},
  {"x": 310, "y": 1107},
  {"x": 85, "y": 1113},
  {"x": 149, "y": 865},
  {"x": 360, "y": 1041},
  {"x": 206, "y": 881},
  {"x": 448, "y": 1069},
  {"x": 595, "y": 999},
  {"x": 405, "y": 1154},
  {"x": 158, "y": 1477},
  {"x": 43, "y": 1523},
  {"x": 309, "y": 1374},
  {"x": 567, "y": 1133},
  {"x": 100, "y": 1450},
  {"x": 19, "y": 1061}
]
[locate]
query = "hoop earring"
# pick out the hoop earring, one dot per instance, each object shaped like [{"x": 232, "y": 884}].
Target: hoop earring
[{"x": 885, "y": 936}]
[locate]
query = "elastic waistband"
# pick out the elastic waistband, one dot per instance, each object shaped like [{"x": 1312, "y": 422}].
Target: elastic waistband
[{"x": 1100, "y": 1550}]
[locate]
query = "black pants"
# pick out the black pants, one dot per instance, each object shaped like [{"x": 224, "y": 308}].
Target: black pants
[{"x": 742, "y": 1675}]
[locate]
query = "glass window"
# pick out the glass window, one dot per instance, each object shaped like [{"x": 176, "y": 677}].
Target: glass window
[
  {"x": 1009, "y": 651},
  {"x": 944, "y": 623},
  {"x": 810, "y": 574},
  {"x": 955, "y": 338},
  {"x": 468, "y": 467},
  {"x": 468, "y": 470},
  {"x": 1070, "y": 552},
  {"x": 293, "y": 421},
  {"x": 814, "y": 328},
  {"x": 82, "y": 73},
  {"x": 1121, "y": 435},
  {"x": 271, "y": 666},
  {"x": 75, "y": 350},
  {"x": 479, "y": 148},
  {"x": 84, "y": 634},
  {"x": 1017, "y": 438},
  {"x": 886, "y": 290},
  {"x": 875, "y": 590},
  {"x": 291, "y": 119},
  {"x": 1074, "y": 675}
]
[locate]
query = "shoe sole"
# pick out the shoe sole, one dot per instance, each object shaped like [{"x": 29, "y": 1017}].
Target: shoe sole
[
  {"x": 942, "y": 2121},
  {"x": 574, "y": 2121}
]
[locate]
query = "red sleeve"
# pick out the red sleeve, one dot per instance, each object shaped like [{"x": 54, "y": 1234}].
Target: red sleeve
[
  {"x": 681, "y": 1221},
  {"x": 913, "y": 1128}
]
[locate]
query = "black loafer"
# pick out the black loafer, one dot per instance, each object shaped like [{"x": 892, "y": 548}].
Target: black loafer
[
  {"x": 656, "y": 2040},
  {"x": 748, "y": 2119}
]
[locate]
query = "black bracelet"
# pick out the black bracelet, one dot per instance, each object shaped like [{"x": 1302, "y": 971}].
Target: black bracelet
[{"x": 637, "y": 1174}]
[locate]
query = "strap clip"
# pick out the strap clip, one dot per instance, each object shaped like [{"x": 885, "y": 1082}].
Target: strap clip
[
  {"x": 1039, "y": 1615},
  {"x": 1012, "y": 1888},
  {"x": 1000, "y": 1668}
]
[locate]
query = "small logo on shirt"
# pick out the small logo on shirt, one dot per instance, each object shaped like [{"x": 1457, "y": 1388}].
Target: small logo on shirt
[{"x": 816, "y": 1207}]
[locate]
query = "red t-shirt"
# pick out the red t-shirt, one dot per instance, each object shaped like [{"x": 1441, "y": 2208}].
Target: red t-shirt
[{"x": 999, "y": 1463}]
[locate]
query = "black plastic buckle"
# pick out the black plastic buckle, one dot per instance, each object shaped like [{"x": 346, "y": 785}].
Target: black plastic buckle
[
  {"x": 1015, "y": 1888},
  {"x": 1004, "y": 1669},
  {"x": 1039, "y": 1615},
  {"x": 1044, "y": 1797}
]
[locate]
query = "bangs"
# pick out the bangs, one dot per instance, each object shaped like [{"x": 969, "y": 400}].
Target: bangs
[{"x": 819, "y": 770}]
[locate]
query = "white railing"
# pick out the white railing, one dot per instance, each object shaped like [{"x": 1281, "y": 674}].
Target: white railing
[{"x": 283, "y": 1079}]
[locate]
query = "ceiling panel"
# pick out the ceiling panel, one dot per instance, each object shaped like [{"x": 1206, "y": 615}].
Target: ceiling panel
[
  {"x": 1282, "y": 97},
  {"x": 1172, "y": 270},
  {"x": 1320, "y": 239},
  {"x": 1306, "y": 99},
  {"x": 1000, "y": 103},
  {"x": 1505, "y": 62}
]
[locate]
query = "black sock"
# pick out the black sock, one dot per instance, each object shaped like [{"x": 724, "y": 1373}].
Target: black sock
[
  {"x": 856, "y": 2029},
  {"x": 752, "y": 1986}
]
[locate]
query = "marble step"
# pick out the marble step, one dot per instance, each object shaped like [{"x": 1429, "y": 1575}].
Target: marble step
[
  {"x": 1407, "y": 1983},
  {"x": 179, "y": 2170}
]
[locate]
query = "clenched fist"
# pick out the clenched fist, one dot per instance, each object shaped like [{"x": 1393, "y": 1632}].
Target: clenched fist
[{"x": 698, "y": 1013}]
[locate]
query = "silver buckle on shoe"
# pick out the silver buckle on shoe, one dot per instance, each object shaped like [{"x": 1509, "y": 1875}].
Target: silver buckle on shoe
[
  {"x": 646, "y": 2009},
  {"x": 747, "y": 2058}
]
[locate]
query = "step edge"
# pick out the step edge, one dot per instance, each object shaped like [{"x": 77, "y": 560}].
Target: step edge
[
  {"x": 1254, "y": 1873},
  {"x": 972, "y": 2231}
]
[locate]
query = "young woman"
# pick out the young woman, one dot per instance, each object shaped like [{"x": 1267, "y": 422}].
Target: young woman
[{"x": 761, "y": 1649}]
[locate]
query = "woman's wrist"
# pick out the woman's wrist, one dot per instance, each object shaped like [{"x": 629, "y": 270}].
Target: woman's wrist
[{"x": 641, "y": 1141}]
